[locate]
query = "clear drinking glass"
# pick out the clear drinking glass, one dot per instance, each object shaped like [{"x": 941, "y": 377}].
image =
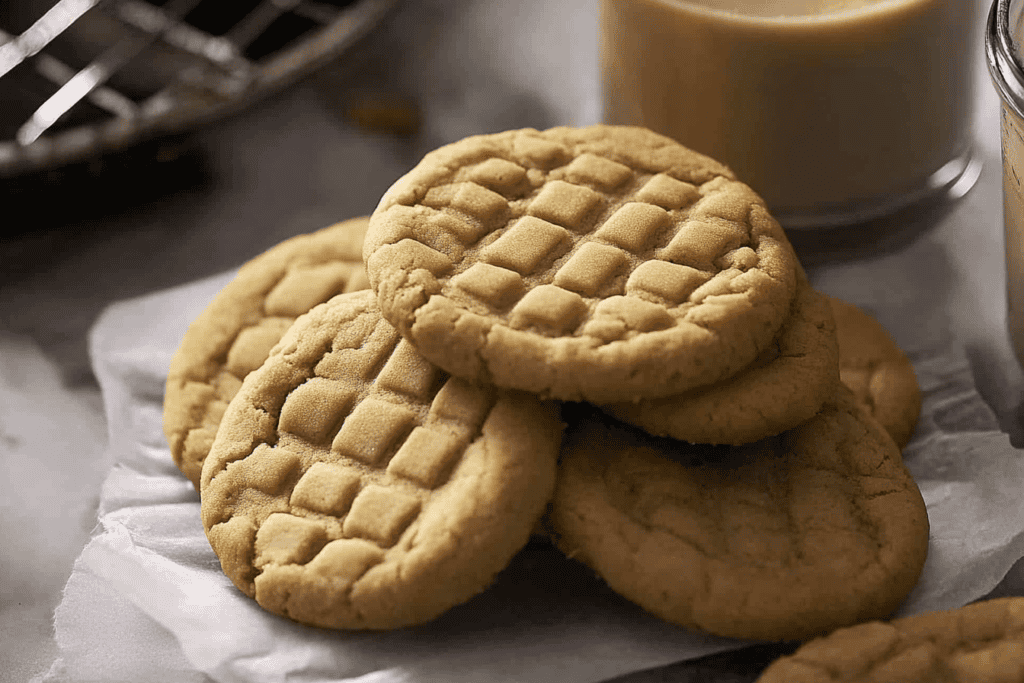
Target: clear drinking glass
[{"x": 834, "y": 111}]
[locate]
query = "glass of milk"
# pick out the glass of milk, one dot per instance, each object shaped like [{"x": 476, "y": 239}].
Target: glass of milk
[{"x": 835, "y": 111}]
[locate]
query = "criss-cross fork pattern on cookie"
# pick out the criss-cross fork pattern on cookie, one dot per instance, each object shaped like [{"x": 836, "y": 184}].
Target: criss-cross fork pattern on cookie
[
  {"x": 977, "y": 643},
  {"x": 584, "y": 247},
  {"x": 301, "y": 286},
  {"x": 360, "y": 444}
]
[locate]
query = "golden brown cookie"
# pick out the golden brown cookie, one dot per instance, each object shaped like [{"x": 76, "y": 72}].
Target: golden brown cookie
[
  {"x": 787, "y": 538},
  {"x": 784, "y": 387},
  {"x": 979, "y": 643},
  {"x": 355, "y": 485},
  {"x": 604, "y": 264},
  {"x": 876, "y": 369},
  {"x": 236, "y": 331}
]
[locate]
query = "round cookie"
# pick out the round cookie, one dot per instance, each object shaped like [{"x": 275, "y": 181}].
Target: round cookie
[
  {"x": 236, "y": 331},
  {"x": 784, "y": 387},
  {"x": 980, "y": 643},
  {"x": 603, "y": 264},
  {"x": 874, "y": 367},
  {"x": 355, "y": 485},
  {"x": 784, "y": 539}
]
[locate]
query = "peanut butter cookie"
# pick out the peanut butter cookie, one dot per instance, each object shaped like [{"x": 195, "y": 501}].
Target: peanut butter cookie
[
  {"x": 353, "y": 484},
  {"x": 787, "y": 538},
  {"x": 234, "y": 334},
  {"x": 873, "y": 365},
  {"x": 784, "y": 387},
  {"x": 603, "y": 264},
  {"x": 979, "y": 643}
]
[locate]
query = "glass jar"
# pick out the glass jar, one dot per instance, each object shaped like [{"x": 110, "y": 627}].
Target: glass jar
[{"x": 1006, "y": 66}]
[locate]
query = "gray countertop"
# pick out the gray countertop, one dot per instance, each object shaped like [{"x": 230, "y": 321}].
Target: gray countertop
[{"x": 198, "y": 204}]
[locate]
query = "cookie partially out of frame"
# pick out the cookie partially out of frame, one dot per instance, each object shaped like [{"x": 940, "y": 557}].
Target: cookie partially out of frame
[
  {"x": 784, "y": 539},
  {"x": 784, "y": 387},
  {"x": 236, "y": 331},
  {"x": 603, "y": 264},
  {"x": 979, "y": 643},
  {"x": 873, "y": 365},
  {"x": 355, "y": 485}
]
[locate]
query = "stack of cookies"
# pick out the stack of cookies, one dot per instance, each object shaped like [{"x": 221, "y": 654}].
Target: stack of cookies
[{"x": 593, "y": 331}]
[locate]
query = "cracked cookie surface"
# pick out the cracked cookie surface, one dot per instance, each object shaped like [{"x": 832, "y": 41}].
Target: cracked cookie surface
[
  {"x": 875, "y": 368},
  {"x": 785, "y": 386},
  {"x": 355, "y": 485},
  {"x": 787, "y": 538},
  {"x": 980, "y": 643},
  {"x": 604, "y": 264},
  {"x": 234, "y": 334}
]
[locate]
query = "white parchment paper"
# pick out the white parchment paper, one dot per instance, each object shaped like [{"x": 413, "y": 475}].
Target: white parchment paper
[{"x": 166, "y": 612}]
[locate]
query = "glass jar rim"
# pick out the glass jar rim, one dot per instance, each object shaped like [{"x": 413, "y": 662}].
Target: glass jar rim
[{"x": 1003, "y": 56}]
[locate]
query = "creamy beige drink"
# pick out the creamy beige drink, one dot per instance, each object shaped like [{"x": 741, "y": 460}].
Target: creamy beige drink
[
  {"x": 831, "y": 109},
  {"x": 1013, "y": 222}
]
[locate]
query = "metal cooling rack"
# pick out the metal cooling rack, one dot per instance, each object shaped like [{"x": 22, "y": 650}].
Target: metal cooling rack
[{"x": 82, "y": 77}]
